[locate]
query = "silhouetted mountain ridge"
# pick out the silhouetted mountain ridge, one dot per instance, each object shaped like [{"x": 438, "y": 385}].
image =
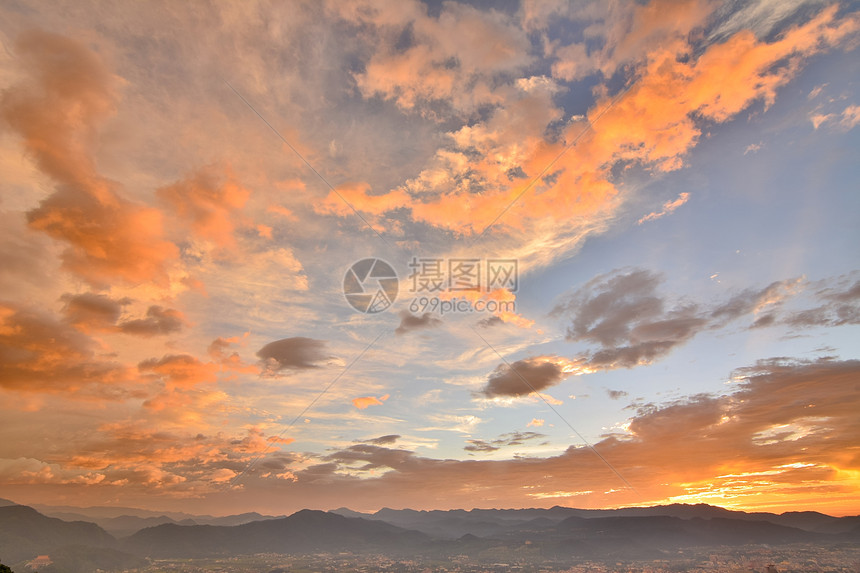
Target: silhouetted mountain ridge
[
  {"x": 24, "y": 533},
  {"x": 483, "y": 522},
  {"x": 124, "y": 521},
  {"x": 563, "y": 532},
  {"x": 304, "y": 531}
]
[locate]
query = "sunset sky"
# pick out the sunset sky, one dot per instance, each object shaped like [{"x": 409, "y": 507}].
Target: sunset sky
[{"x": 185, "y": 186}]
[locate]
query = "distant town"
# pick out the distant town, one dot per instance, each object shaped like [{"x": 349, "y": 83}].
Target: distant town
[{"x": 747, "y": 559}]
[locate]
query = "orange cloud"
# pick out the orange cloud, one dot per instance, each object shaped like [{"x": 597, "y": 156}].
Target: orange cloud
[
  {"x": 654, "y": 123},
  {"x": 108, "y": 237},
  {"x": 140, "y": 458},
  {"x": 207, "y": 201},
  {"x": 219, "y": 349},
  {"x": 185, "y": 406},
  {"x": 280, "y": 210},
  {"x": 515, "y": 319},
  {"x": 181, "y": 370},
  {"x": 40, "y": 354},
  {"x": 528, "y": 376},
  {"x": 659, "y": 109},
  {"x": 785, "y": 432},
  {"x": 365, "y": 401},
  {"x": 408, "y": 77},
  {"x": 357, "y": 196},
  {"x": 499, "y": 302},
  {"x": 264, "y": 231}
]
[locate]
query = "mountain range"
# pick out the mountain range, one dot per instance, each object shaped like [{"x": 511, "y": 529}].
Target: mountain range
[
  {"x": 124, "y": 521},
  {"x": 558, "y": 532},
  {"x": 74, "y": 546},
  {"x": 452, "y": 524}
]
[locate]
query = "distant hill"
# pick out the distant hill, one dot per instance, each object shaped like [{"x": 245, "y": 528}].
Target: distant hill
[
  {"x": 121, "y": 526},
  {"x": 26, "y": 533},
  {"x": 106, "y": 512},
  {"x": 643, "y": 536},
  {"x": 647, "y": 534},
  {"x": 304, "y": 532},
  {"x": 239, "y": 519},
  {"x": 806, "y": 520},
  {"x": 346, "y": 512},
  {"x": 124, "y": 521},
  {"x": 74, "y": 547},
  {"x": 489, "y": 522}
]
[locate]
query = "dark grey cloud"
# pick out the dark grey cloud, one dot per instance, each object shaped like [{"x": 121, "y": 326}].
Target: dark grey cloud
[
  {"x": 318, "y": 473},
  {"x": 630, "y": 356},
  {"x": 609, "y": 306},
  {"x": 508, "y": 439},
  {"x": 632, "y": 323},
  {"x": 480, "y": 446},
  {"x": 272, "y": 464},
  {"x": 490, "y": 321},
  {"x": 410, "y": 322},
  {"x": 525, "y": 376},
  {"x": 371, "y": 456},
  {"x": 159, "y": 320},
  {"x": 616, "y": 394},
  {"x": 296, "y": 353},
  {"x": 765, "y": 320},
  {"x": 382, "y": 440},
  {"x": 92, "y": 310},
  {"x": 625, "y": 315},
  {"x": 649, "y": 341}
]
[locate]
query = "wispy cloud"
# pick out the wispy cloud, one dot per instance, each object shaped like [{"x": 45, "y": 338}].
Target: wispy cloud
[{"x": 668, "y": 207}]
